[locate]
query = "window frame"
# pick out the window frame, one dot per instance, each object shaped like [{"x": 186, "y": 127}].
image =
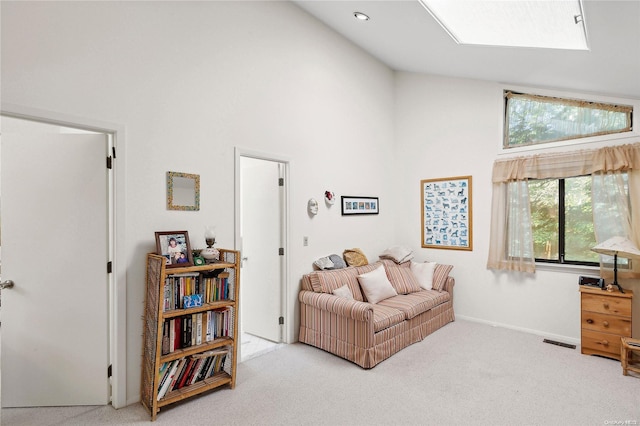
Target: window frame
[
  {"x": 512, "y": 95},
  {"x": 601, "y": 140},
  {"x": 562, "y": 231}
]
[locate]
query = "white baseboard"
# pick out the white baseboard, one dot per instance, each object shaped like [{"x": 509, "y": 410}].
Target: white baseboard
[{"x": 556, "y": 337}]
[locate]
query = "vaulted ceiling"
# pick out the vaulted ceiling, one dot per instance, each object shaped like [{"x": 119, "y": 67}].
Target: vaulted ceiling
[{"x": 403, "y": 35}]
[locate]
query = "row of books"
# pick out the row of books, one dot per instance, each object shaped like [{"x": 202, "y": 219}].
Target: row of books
[
  {"x": 211, "y": 288},
  {"x": 189, "y": 370},
  {"x": 216, "y": 288},
  {"x": 195, "y": 329}
]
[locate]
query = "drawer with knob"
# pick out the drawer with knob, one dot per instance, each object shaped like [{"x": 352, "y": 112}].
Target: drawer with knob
[
  {"x": 601, "y": 344},
  {"x": 605, "y": 319},
  {"x": 606, "y": 323},
  {"x": 606, "y": 304}
]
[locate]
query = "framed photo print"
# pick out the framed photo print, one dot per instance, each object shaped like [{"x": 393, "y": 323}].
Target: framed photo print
[
  {"x": 175, "y": 247},
  {"x": 446, "y": 213},
  {"x": 360, "y": 205}
]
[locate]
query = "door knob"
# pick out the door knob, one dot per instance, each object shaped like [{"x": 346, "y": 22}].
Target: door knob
[{"x": 6, "y": 284}]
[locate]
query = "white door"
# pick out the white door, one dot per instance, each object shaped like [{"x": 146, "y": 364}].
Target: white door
[
  {"x": 54, "y": 349},
  {"x": 261, "y": 233}
]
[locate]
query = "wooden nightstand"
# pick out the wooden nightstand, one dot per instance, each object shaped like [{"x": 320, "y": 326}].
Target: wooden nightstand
[{"x": 606, "y": 318}]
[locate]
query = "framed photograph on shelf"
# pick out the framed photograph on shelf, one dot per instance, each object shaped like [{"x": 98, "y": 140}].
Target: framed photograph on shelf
[
  {"x": 175, "y": 247},
  {"x": 446, "y": 213},
  {"x": 360, "y": 205}
]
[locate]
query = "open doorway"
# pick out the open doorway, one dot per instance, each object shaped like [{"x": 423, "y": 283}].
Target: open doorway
[{"x": 262, "y": 242}]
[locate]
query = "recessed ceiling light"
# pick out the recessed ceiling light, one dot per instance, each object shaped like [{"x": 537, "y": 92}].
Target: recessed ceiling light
[
  {"x": 360, "y": 16},
  {"x": 523, "y": 23}
]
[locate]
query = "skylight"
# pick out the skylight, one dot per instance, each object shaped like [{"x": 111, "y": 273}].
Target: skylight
[{"x": 551, "y": 24}]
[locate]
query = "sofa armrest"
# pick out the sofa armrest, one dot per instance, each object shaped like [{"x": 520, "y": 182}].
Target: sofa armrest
[
  {"x": 448, "y": 286},
  {"x": 359, "y": 311}
]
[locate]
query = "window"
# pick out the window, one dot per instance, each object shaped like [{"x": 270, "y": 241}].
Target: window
[
  {"x": 562, "y": 220},
  {"x": 533, "y": 119}
]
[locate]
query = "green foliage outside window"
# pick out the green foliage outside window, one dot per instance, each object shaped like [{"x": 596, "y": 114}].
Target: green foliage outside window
[
  {"x": 533, "y": 119},
  {"x": 552, "y": 241}
]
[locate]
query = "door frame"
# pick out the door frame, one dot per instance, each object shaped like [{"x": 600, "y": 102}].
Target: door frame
[
  {"x": 117, "y": 281},
  {"x": 284, "y": 285}
]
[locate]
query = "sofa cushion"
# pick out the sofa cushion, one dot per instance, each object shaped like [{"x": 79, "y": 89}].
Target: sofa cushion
[
  {"x": 402, "y": 279},
  {"x": 424, "y": 273},
  {"x": 440, "y": 275},
  {"x": 327, "y": 281},
  {"x": 386, "y": 316},
  {"x": 369, "y": 267},
  {"x": 343, "y": 292},
  {"x": 375, "y": 285},
  {"x": 416, "y": 303}
]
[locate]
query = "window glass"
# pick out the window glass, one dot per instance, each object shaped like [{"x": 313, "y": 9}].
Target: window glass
[
  {"x": 543, "y": 196},
  {"x": 579, "y": 234},
  {"x": 533, "y": 119},
  {"x": 562, "y": 220}
]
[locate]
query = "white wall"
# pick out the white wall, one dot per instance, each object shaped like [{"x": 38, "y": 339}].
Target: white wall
[
  {"x": 190, "y": 81},
  {"x": 453, "y": 127}
]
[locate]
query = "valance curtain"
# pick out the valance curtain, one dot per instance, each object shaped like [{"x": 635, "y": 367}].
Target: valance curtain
[{"x": 511, "y": 239}]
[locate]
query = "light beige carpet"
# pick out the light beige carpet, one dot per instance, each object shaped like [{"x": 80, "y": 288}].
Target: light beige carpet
[{"x": 464, "y": 374}]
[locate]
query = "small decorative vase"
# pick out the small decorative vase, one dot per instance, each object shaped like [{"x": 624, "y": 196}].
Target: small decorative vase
[{"x": 210, "y": 253}]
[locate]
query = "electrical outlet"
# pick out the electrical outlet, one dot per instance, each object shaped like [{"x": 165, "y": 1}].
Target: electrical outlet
[{"x": 305, "y": 241}]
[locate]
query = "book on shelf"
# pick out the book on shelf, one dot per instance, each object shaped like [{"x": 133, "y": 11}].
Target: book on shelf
[
  {"x": 168, "y": 380},
  {"x": 165, "y": 337},
  {"x": 198, "y": 328},
  {"x": 180, "y": 365},
  {"x": 186, "y": 372},
  {"x": 192, "y": 369},
  {"x": 172, "y": 334},
  {"x": 196, "y": 371}
]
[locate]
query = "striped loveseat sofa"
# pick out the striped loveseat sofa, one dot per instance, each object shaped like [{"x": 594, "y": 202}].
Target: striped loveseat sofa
[{"x": 368, "y": 333}]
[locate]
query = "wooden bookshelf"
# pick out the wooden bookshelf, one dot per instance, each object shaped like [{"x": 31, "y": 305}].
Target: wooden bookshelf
[{"x": 158, "y": 315}]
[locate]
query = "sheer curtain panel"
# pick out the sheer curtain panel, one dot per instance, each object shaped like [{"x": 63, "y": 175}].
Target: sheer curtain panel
[{"x": 511, "y": 238}]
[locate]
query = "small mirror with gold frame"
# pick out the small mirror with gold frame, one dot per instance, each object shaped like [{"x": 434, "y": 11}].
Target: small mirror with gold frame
[{"x": 183, "y": 191}]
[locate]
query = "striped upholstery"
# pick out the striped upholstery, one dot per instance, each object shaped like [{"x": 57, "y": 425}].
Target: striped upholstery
[
  {"x": 386, "y": 316},
  {"x": 416, "y": 303},
  {"x": 327, "y": 281},
  {"x": 440, "y": 274},
  {"x": 402, "y": 279},
  {"x": 367, "y": 268},
  {"x": 389, "y": 262},
  {"x": 367, "y": 334}
]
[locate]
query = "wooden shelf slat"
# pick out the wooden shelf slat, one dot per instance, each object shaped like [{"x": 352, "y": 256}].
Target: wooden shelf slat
[
  {"x": 220, "y": 379},
  {"x": 179, "y": 353}
]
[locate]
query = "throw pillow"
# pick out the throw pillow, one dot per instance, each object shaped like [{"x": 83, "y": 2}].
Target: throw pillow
[
  {"x": 376, "y": 285},
  {"x": 440, "y": 275},
  {"x": 338, "y": 263},
  {"x": 424, "y": 273},
  {"x": 397, "y": 253},
  {"x": 324, "y": 263},
  {"x": 355, "y": 257},
  {"x": 333, "y": 261},
  {"x": 343, "y": 292},
  {"x": 402, "y": 279}
]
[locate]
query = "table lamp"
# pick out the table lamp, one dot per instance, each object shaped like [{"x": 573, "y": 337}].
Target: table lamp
[{"x": 615, "y": 246}]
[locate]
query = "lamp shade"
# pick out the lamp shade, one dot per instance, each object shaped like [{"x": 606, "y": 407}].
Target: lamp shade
[{"x": 618, "y": 246}]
